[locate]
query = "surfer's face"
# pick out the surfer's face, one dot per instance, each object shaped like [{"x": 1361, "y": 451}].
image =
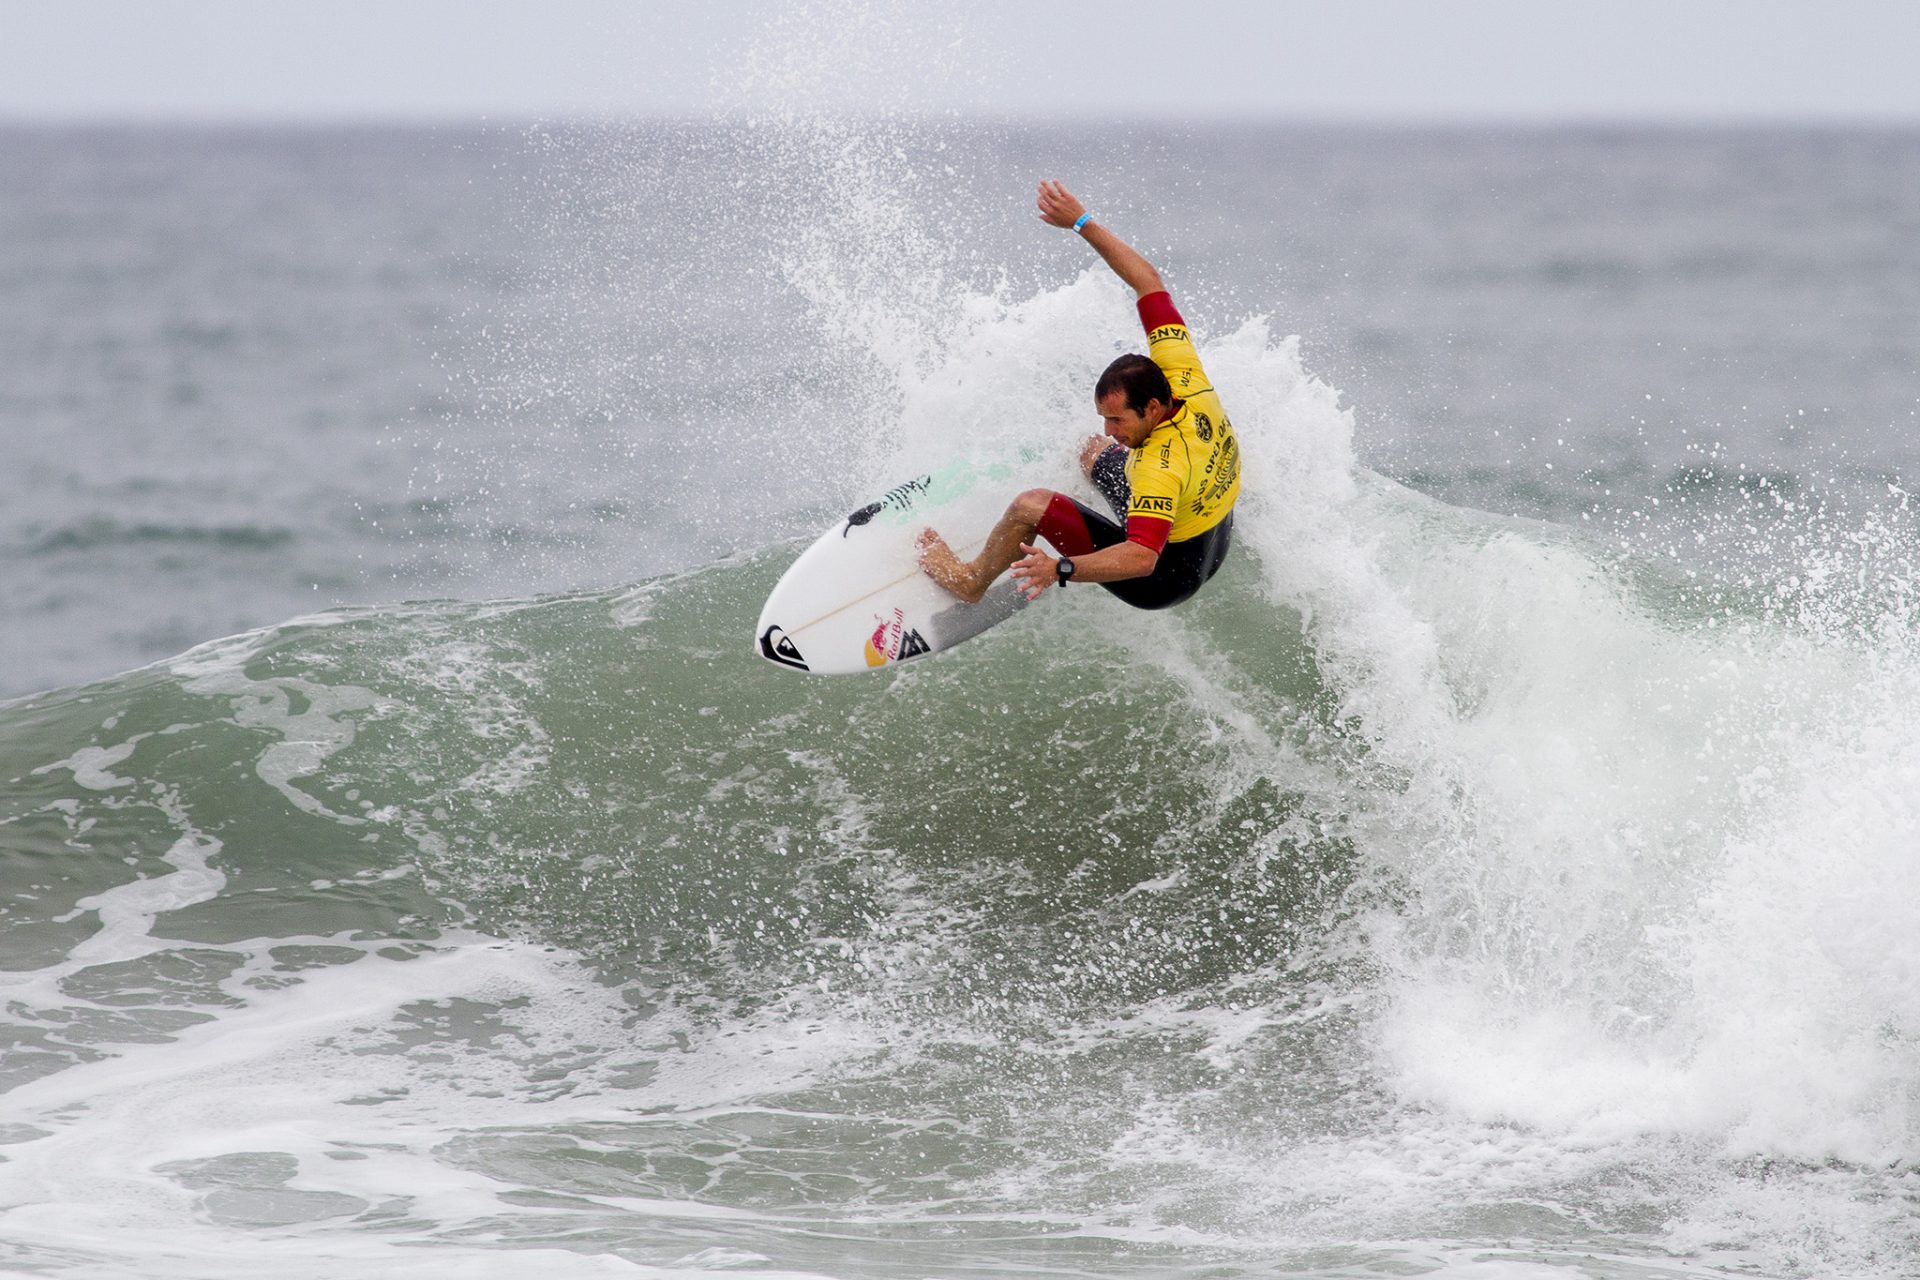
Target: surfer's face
[{"x": 1124, "y": 424}]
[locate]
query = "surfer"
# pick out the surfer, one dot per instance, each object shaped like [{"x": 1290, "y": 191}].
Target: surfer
[{"x": 1168, "y": 464}]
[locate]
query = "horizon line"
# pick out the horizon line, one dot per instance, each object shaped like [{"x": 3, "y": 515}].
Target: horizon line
[{"x": 523, "y": 120}]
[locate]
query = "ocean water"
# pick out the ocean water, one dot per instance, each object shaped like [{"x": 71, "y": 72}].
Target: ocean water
[{"x": 1509, "y": 867}]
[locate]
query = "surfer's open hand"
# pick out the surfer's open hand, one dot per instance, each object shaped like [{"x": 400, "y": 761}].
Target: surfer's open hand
[
  {"x": 1058, "y": 205},
  {"x": 1035, "y": 573}
]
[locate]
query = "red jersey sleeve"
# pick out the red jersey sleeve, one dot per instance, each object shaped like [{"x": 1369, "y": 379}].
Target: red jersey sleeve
[
  {"x": 1157, "y": 309},
  {"x": 1149, "y": 531}
]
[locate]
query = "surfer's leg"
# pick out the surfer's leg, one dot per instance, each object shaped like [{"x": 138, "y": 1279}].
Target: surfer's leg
[
  {"x": 1108, "y": 473},
  {"x": 1075, "y": 530},
  {"x": 969, "y": 579}
]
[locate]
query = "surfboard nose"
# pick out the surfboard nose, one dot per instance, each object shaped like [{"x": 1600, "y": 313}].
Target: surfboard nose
[{"x": 777, "y": 646}]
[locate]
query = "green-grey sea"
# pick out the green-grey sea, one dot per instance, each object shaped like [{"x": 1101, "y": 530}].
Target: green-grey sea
[{"x": 1507, "y": 868}]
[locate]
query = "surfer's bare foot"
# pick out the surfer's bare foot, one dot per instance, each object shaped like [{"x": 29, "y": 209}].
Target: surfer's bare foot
[{"x": 946, "y": 568}]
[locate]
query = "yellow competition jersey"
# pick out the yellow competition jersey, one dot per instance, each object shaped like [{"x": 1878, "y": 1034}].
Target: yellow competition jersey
[{"x": 1188, "y": 470}]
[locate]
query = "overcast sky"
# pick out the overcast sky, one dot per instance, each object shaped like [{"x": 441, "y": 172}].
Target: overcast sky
[{"x": 1534, "y": 60}]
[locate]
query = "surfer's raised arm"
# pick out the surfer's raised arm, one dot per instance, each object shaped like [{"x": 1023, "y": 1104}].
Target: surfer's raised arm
[{"x": 1062, "y": 208}]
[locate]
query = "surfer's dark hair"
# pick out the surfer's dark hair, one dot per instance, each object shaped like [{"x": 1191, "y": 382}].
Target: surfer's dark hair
[{"x": 1139, "y": 378}]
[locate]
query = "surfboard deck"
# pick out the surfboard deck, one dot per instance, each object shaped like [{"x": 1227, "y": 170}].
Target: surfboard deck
[{"x": 857, "y": 600}]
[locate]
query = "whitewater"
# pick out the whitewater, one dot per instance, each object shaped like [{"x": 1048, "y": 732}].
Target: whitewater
[{"x": 1446, "y": 890}]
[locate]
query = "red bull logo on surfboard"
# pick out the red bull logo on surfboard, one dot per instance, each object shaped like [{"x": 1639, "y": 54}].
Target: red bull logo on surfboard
[{"x": 893, "y": 640}]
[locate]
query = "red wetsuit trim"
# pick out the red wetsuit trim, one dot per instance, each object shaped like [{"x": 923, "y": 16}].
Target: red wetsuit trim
[
  {"x": 1065, "y": 527},
  {"x": 1157, "y": 309},
  {"x": 1149, "y": 531}
]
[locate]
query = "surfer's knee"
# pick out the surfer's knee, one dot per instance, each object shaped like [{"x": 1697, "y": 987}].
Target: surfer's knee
[
  {"x": 1030, "y": 508},
  {"x": 1091, "y": 452}
]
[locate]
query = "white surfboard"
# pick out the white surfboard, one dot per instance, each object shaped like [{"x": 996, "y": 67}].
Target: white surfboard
[{"x": 858, "y": 600}]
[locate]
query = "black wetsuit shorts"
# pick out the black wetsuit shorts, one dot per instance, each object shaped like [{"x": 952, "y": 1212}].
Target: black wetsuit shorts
[{"x": 1075, "y": 529}]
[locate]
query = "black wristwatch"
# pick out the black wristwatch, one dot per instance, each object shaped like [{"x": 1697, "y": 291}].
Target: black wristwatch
[{"x": 1063, "y": 571}]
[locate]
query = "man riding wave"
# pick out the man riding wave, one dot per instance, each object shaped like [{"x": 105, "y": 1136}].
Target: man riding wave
[{"x": 1172, "y": 474}]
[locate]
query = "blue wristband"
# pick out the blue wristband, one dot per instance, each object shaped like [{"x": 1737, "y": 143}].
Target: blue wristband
[{"x": 1081, "y": 221}]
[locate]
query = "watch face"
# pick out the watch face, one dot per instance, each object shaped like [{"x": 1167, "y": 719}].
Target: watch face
[{"x": 1064, "y": 570}]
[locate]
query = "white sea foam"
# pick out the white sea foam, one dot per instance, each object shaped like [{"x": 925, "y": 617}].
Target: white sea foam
[
  {"x": 304, "y": 1106},
  {"x": 91, "y": 766},
  {"x": 1662, "y": 872}
]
